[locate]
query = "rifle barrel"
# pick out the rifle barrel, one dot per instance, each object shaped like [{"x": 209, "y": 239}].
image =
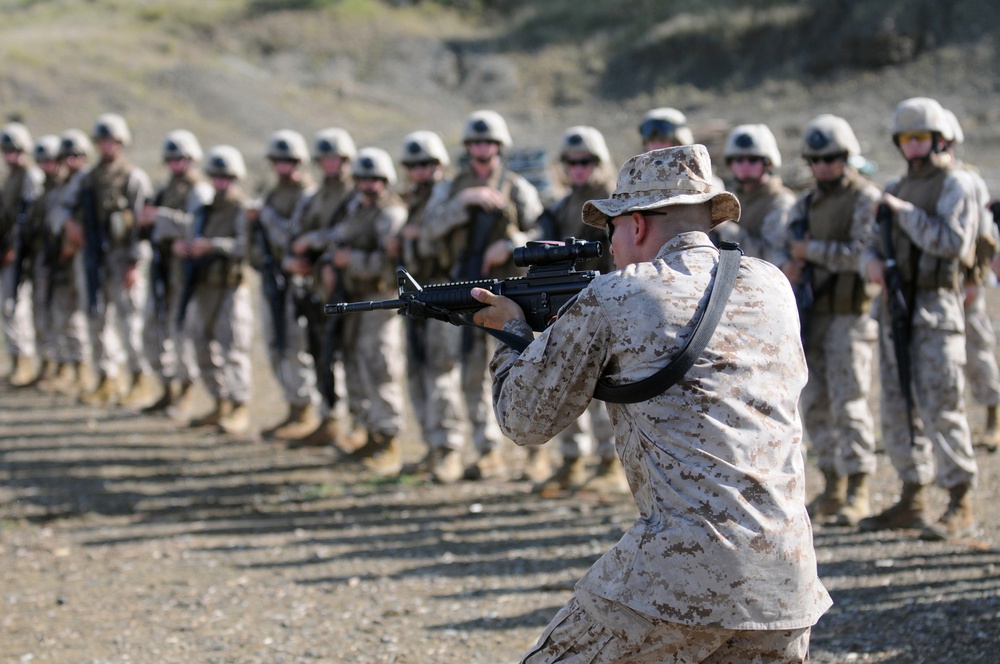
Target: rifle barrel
[{"x": 351, "y": 307}]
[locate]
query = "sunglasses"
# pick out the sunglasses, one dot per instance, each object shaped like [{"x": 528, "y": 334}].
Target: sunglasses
[
  {"x": 420, "y": 164},
  {"x": 654, "y": 128},
  {"x": 578, "y": 162},
  {"x": 827, "y": 159},
  {"x": 919, "y": 136},
  {"x": 752, "y": 159}
]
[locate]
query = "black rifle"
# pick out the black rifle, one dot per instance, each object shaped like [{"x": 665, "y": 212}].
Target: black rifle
[
  {"x": 95, "y": 246},
  {"x": 194, "y": 268},
  {"x": 899, "y": 314},
  {"x": 24, "y": 238},
  {"x": 273, "y": 285},
  {"x": 159, "y": 272},
  {"x": 995, "y": 211},
  {"x": 803, "y": 290},
  {"x": 551, "y": 282}
]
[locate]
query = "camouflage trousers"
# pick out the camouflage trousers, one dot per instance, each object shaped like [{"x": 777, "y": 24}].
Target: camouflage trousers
[
  {"x": 589, "y": 433},
  {"x": 116, "y": 331},
  {"x": 434, "y": 380},
  {"x": 943, "y": 439},
  {"x": 293, "y": 366},
  {"x": 18, "y": 326},
  {"x": 374, "y": 365},
  {"x": 169, "y": 351},
  {"x": 841, "y": 428},
  {"x": 220, "y": 326},
  {"x": 67, "y": 318},
  {"x": 593, "y": 630},
  {"x": 981, "y": 347},
  {"x": 477, "y": 388}
]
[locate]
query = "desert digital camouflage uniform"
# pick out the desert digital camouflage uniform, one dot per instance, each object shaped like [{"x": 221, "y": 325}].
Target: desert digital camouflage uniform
[
  {"x": 119, "y": 191},
  {"x": 723, "y": 541},
  {"x": 833, "y": 221},
  {"x": 372, "y": 344},
  {"x": 220, "y": 321},
  {"x": 765, "y": 204},
  {"x": 934, "y": 235},
  {"x": 433, "y": 374},
  {"x": 293, "y": 366},
  {"x": 20, "y": 189},
  {"x": 176, "y": 203},
  {"x": 68, "y": 306},
  {"x": 43, "y": 252},
  {"x": 452, "y": 225}
]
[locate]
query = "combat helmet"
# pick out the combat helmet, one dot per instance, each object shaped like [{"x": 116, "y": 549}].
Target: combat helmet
[
  {"x": 584, "y": 140},
  {"x": 225, "y": 161},
  {"x": 487, "y": 126},
  {"x": 15, "y": 137},
  {"x": 666, "y": 122},
  {"x": 181, "y": 144},
  {"x": 374, "y": 163},
  {"x": 333, "y": 142},
  {"x": 75, "y": 143},
  {"x": 46, "y": 148},
  {"x": 828, "y": 136},
  {"x": 955, "y": 135},
  {"x": 287, "y": 145},
  {"x": 423, "y": 146},
  {"x": 919, "y": 114},
  {"x": 113, "y": 126},
  {"x": 752, "y": 140}
]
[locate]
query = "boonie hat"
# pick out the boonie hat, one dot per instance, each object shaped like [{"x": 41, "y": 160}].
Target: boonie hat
[{"x": 661, "y": 178}]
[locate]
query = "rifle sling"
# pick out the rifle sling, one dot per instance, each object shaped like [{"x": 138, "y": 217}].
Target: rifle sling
[{"x": 669, "y": 375}]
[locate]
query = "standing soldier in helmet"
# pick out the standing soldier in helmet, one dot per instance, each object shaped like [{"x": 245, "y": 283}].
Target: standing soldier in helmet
[
  {"x": 980, "y": 339},
  {"x": 22, "y": 186},
  {"x": 168, "y": 217},
  {"x": 270, "y": 236},
  {"x": 221, "y": 318},
  {"x": 590, "y": 175},
  {"x": 829, "y": 227},
  {"x": 41, "y": 253},
  {"x": 116, "y": 263},
  {"x": 66, "y": 295},
  {"x": 476, "y": 220},
  {"x": 356, "y": 263},
  {"x": 933, "y": 233},
  {"x": 433, "y": 361},
  {"x": 752, "y": 155},
  {"x": 332, "y": 151}
]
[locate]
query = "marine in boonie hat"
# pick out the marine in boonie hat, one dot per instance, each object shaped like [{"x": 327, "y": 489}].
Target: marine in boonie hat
[{"x": 661, "y": 178}]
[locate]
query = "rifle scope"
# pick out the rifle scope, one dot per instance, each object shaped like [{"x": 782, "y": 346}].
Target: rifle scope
[{"x": 546, "y": 253}]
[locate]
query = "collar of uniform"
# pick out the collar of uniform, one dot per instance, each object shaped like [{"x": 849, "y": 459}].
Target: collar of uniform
[{"x": 684, "y": 242}]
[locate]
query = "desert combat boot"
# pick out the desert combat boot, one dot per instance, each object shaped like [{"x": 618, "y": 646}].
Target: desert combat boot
[
  {"x": 237, "y": 421},
  {"x": 141, "y": 393},
  {"x": 212, "y": 418},
  {"x": 858, "y": 504},
  {"x": 24, "y": 374},
  {"x": 957, "y": 520},
  {"x": 608, "y": 479},
  {"x": 106, "y": 392},
  {"x": 537, "y": 467},
  {"x": 909, "y": 512},
  {"x": 386, "y": 459},
  {"x": 831, "y": 500},
  {"x": 572, "y": 474},
  {"x": 991, "y": 437}
]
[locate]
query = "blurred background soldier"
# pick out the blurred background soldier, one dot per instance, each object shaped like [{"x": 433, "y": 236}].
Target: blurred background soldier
[
  {"x": 270, "y": 236},
  {"x": 432, "y": 347},
  {"x": 752, "y": 155},
  {"x": 830, "y": 225},
  {"x": 167, "y": 218},
  {"x": 39, "y": 253},
  {"x": 68, "y": 300},
  {"x": 477, "y": 220},
  {"x": 221, "y": 318},
  {"x": 664, "y": 128},
  {"x": 332, "y": 151},
  {"x": 933, "y": 233},
  {"x": 22, "y": 186},
  {"x": 116, "y": 264},
  {"x": 980, "y": 338},
  {"x": 372, "y": 344},
  {"x": 590, "y": 175}
]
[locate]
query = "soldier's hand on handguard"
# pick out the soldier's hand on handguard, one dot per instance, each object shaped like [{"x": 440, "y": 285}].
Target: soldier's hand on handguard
[
  {"x": 199, "y": 246},
  {"x": 793, "y": 270},
  {"x": 875, "y": 272},
  {"x": 487, "y": 198},
  {"x": 896, "y": 204},
  {"x": 329, "y": 277},
  {"x": 498, "y": 311},
  {"x": 180, "y": 248},
  {"x": 131, "y": 276},
  {"x": 148, "y": 215},
  {"x": 391, "y": 245},
  {"x": 799, "y": 248},
  {"x": 497, "y": 254}
]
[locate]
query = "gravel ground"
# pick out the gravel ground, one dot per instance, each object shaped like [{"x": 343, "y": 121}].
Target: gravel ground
[{"x": 126, "y": 539}]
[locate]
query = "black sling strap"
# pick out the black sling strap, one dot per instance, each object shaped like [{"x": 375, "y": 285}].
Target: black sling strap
[{"x": 661, "y": 381}]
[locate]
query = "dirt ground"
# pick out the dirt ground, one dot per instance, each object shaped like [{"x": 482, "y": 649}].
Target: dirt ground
[{"x": 126, "y": 539}]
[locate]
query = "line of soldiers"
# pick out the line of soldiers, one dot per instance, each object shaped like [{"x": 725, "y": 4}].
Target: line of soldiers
[{"x": 155, "y": 282}]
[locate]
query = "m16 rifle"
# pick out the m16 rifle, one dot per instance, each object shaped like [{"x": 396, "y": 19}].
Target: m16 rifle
[
  {"x": 194, "y": 268},
  {"x": 899, "y": 314},
  {"x": 803, "y": 290},
  {"x": 95, "y": 246},
  {"x": 552, "y": 281}
]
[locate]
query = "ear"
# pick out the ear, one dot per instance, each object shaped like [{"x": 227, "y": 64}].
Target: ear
[{"x": 639, "y": 228}]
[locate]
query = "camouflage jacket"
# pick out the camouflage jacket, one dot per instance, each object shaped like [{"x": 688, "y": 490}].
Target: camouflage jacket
[{"x": 715, "y": 463}]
